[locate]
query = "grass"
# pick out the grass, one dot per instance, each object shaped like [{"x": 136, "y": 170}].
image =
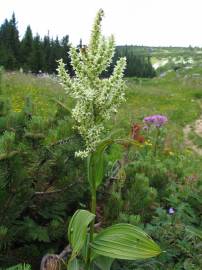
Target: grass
[
  {"x": 170, "y": 96},
  {"x": 42, "y": 91},
  {"x": 196, "y": 139},
  {"x": 174, "y": 95}
]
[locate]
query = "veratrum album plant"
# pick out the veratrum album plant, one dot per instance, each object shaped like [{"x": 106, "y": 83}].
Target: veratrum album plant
[{"x": 96, "y": 100}]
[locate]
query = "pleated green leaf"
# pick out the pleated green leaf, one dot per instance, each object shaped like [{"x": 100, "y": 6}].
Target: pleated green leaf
[
  {"x": 103, "y": 263},
  {"x": 95, "y": 165},
  {"x": 95, "y": 162},
  {"x": 73, "y": 264},
  {"x": 125, "y": 241},
  {"x": 77, "y": 230}
]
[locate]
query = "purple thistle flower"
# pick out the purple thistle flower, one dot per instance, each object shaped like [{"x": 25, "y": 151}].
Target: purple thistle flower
[{"x": 156, "y": 120}]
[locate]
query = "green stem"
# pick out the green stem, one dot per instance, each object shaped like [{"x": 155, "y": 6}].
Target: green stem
[
  {"x": 156, "y": 142},
  {"x": 93, "y": 210}
]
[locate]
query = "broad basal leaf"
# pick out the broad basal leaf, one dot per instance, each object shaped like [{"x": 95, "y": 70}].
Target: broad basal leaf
[
  {"x": 77, "y": 231},
  {"x": 103, "y": 263},
  {"x": 125, "y": 241},
  {"x": 73, "y": 264}
]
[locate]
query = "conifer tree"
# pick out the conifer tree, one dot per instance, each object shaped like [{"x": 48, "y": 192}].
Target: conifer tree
[
  {"x": 46, "y": 47},
  {"x": 37, "y": 56},
  {"x": 26, "y": 49},
  {"x": 9, "y": 44},
  {"x": 55, "y": 54},
  {"x": 14, "y": 41},
  {"x": 8, "y": 59},
  {"x": 35, "y": 53}
]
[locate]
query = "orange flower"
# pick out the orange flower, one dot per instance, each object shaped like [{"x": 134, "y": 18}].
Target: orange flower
[{"x": 135, "y": 133}]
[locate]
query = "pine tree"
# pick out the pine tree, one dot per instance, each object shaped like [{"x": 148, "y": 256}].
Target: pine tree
[
  {"x": 9, "y": 44},
  {"x": 37, "y": 56},
  {"x": 7, "y": 58},
  {"x": 34, "y": 53},
  {"x": 38, "y": 176},
  {"x": 26, "y": 49},
  {"x": 46, "y": 47},
  {"x": 55, "y": 54},
  {"x": 14, "y": 38}
]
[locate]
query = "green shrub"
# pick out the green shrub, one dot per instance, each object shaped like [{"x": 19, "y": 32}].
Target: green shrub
[
  {"x": 41, "y": 182},
  {"x": 177, "y": 229}
]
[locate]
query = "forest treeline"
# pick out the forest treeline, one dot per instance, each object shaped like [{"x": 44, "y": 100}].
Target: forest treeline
[{"x": 40, "y": 54}]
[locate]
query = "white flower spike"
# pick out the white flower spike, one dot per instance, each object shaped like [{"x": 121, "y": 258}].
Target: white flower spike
[{"x": 96, "y": 98}]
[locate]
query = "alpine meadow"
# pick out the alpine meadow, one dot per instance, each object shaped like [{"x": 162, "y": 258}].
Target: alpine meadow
[{"x": 100, "y": 153}]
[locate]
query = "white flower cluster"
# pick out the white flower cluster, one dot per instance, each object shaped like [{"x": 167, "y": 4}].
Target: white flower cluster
[{"x": 96, "y": 98}]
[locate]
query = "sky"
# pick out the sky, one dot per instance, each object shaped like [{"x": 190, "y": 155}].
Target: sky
[{"x": 132, "y": 22}]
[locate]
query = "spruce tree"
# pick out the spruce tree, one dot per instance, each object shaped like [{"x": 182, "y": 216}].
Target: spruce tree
[
  {"x": 46, "y": 47},
  {"x": 7, "y": 58},
  {"x": 9, "y": 44},
  {"x": 37, "y": 56},
  {"x": 55, "y": 54},
  {"x": 14, "y": 41},
  {"x": 26, "y": 49}
]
